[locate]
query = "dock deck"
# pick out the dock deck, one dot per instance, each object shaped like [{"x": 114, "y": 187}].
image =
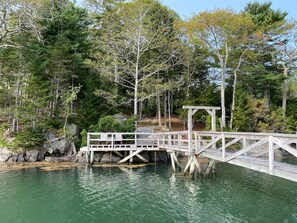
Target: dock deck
[{"x": 254, "y": 151}]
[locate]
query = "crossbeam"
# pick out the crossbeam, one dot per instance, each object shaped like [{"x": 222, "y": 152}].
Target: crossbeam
[{"x": 131, "y": 155}]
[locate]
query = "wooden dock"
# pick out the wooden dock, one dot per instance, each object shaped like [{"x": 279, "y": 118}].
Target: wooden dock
[{"x": 254, "y": 151}]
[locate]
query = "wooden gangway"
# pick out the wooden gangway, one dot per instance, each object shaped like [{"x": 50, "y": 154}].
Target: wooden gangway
[{"x": 254, "y": 151}]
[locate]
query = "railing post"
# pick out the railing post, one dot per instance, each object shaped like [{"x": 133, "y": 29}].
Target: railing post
[
  {"x": 88, "y": 147},
  {"x": 223, "y": 146},
  {"x": 112, "y": 141},
  {"x": 271, "y": 155},
  {"x": 196, "y": 143},
  {"x": 135, "y": 140},
  {"x": 179, "y": 140},
  {"x": 244, "y": 144}
]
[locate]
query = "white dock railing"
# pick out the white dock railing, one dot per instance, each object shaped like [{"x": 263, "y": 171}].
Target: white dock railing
[{"x": 251, "y": 150}]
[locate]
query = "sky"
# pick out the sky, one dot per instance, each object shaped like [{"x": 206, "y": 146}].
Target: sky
[{"x": 186, "y": 8}]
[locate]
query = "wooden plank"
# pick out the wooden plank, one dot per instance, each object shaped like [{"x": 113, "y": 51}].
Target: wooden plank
[
  {"x": 142, "y": 158},
  {"x": 210, "y": 164},
  {"x": 212, "y": 142},
  {"x": 271, "y": 155},
  {"x": 231, "y": 142},
  {"x": 176, "y": 160},
  {"x": 286, "y": 147},
  {"x": 283, "y": 170},
  {"x": 201, "y": 107},
  {"x": 131, "y": 155},
  {"x": 118, "y": 153},
  {"x": 197, "y": 164},
  {"x": 247, "y": 149},
  {"x": 188, "y": 165},
  {"x": 172, "y": 161}
]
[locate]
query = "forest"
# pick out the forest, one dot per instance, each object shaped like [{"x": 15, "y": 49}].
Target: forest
[{"x": 63, "y": 62}]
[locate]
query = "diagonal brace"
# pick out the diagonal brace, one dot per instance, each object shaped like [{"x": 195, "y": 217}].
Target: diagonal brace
[{"x": 131, "y": 155}]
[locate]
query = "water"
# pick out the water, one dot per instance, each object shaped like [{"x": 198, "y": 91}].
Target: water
[{"x": 150, "y": 194}]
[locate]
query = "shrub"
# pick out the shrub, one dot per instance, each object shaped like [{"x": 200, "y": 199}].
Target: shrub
[{"x": 29, "y": 137}]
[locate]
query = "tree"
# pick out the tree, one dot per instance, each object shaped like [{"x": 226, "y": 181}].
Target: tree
[
  {"x": 270, "y": 25},
  {"x": 67, "y": 100},
  {"x": 136, "y": 47},
  {"x": 218, "y": 31},
  {"x": 60, "y": 58},
  {"x": 285, "y": 56}
]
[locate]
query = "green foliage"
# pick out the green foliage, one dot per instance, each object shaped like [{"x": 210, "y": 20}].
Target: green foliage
[
  {"x": 111, "y": 124},
  {"x": 65, "y": 56},
  {"x": 84, "y": 137},
  {"x": 255, "y": 115},
  {"x": 29, "y": 137}
]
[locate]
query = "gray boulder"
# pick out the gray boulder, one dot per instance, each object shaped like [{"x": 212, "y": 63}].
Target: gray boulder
[
  {"x": 73, "y": 130},
  {"x": 21, "y": 157},
  {"x": 5, "y": 154},
  {"x": 107, "y": 158},
  {"x": 160, "y": 157},
  {"x": 32, "y": 155},
  {"x": 57, "y": 145},
  {"x": 80, "y": 156}
]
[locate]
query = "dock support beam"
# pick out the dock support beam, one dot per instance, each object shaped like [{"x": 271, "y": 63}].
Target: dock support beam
[
  {"x": 92, "y": 157},
  {"x": 192, "y": 161},
  {"x": 174, "y": 161}
]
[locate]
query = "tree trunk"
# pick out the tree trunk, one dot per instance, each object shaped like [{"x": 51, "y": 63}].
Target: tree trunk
[
  {"x": 233, "y": 100},
  {"x": 136, "y": 95},
  {"x": 169, "y": 110},
  {"x": 15, "y": 122},
  {"x": 234, "y": 87},
  {"x": 223, "y": 98},
  {"x": 188, "y": 80},
  {"x": 165, "y": 109},
  {"x": 140, "y": 109},
  {"x": 267, "y": 97},
  {"x": 223, "y": 64},
  {"x": 285, "y": 93},
  {"x": 159, "y": 110}
]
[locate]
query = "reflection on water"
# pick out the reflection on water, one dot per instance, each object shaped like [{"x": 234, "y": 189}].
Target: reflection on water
[{"x": 149, "y": 194}]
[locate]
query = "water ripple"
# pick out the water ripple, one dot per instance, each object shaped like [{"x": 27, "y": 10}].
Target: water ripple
[{"x": 150, "y": 194}]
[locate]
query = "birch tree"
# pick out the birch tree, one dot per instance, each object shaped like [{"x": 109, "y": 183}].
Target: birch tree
[
  {"x": 139, "y": 43},
  {"x": 218, "y": 31},
  {"x": 285, "y": 57}
]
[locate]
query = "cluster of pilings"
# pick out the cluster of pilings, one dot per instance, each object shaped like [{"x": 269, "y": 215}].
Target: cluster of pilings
[{"x": 193, "y": 167}]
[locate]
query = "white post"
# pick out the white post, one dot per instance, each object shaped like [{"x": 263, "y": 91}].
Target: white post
[
  {"x": 112, "y": 141},
  {"x": 244, "y": 144},
  {"x": 179, "y": 140},
  {"x": 88, "y": 147},
  {"x": 172, "y": 161},
  {"x": 135, "y": 140},
  {"x": 190, "y": 130},
  {"x": 92, "y": 157},
  {"x": 196, "y": 142},
  {"x": 223, "y": 146},
  {"x": 271, "y": 155},
  {"x": 213, "y": 120},
  {"x": 213, "y": 126}
]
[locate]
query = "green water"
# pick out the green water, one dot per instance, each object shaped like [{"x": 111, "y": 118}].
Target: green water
[{"x": 149, "y": 194}]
